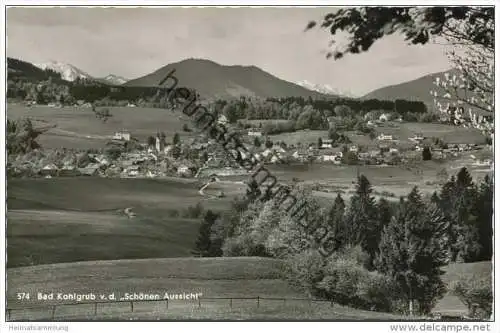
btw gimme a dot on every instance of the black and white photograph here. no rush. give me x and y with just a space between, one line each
272 163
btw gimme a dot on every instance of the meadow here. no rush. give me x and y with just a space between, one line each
448 133
79 128
213 277
304 137
71 219
220 278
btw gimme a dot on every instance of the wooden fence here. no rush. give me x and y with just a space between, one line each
53 307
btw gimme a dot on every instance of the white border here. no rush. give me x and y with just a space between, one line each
196 326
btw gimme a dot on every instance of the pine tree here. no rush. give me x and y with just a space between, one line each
426 154
256 142
384 211
467 244
176 139
484 209
203 246
412 250
336 222
362 224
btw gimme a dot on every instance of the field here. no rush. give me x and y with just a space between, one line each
454 272
304 137
395 179
213 277
70 219
257 122
79 128
448 133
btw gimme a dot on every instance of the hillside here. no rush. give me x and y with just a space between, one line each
63 220
241 277
25 70
416 90
212 80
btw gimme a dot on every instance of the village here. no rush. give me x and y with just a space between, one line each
202 157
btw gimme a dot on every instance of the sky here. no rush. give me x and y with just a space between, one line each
132 42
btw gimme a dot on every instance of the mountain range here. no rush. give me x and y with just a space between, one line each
324 89
417 90
71 73
212 80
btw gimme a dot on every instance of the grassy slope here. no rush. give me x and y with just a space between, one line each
213 277
69 219
74 125
453 273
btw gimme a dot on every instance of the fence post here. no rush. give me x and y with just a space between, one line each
199 302
284 301
53 311
9 313
167 303
95 309
132 306
258 301
230 302
331 304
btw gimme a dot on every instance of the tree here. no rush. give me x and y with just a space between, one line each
362 224
476 294
412 249
22 136
426 154
442 176
350 158
342 111
103 114
336 222
484 212
176 139
269 143
151 141
256 142
176 151
471 28
418 25
320 142
203 246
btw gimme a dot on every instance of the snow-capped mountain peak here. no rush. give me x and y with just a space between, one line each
68 72
115 79
322 88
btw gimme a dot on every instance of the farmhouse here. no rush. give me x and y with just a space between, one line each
223 120
132 171
183 171
383 137
417 137
89 170
125 136
68 171
49 170
131 105
326 143
354 149
384 117
254 132
393 151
